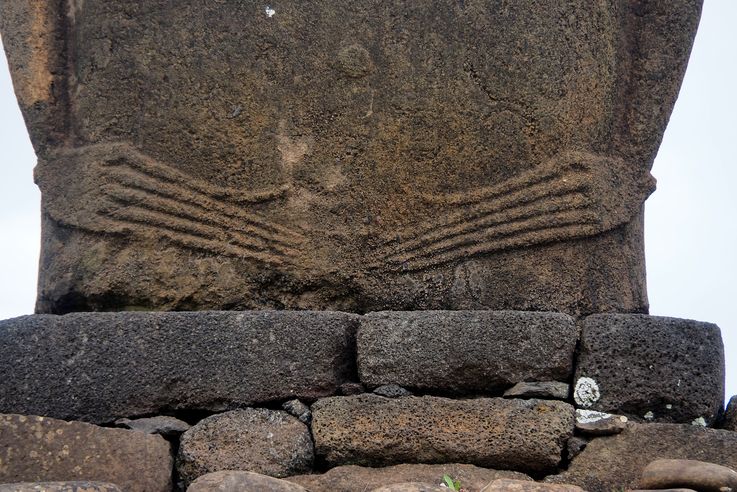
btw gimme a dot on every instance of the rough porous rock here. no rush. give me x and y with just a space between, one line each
78 486
506 485
269 442
411 487
345 155
546 390
729 422
690 474
524 435
241 481
352 478
464 350
40 449
617 462
670 369
98 367
169 427
575 445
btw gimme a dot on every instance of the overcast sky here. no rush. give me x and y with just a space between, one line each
691 226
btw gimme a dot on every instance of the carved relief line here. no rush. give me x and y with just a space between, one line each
573 195
114 188
204 207
194 218
540 199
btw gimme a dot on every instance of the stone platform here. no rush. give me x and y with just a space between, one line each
513 395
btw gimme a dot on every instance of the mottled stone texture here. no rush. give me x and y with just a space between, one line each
101 366
270 442
670 369
617 462
464 350
36 449
523 435
352 478
78 486
335 154
241 481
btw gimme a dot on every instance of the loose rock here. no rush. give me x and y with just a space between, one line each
506 485
464 350
392 391
169 427
98 367
524 435
691 474
599 423
669 369
353 478
618 461
40 449
268 442
79 486
241 481
411 487
298 409
547 390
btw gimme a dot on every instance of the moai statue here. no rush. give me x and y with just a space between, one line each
438 154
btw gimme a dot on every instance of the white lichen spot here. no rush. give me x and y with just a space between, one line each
699 421
586 392
269 11
591 416
669 407
649 416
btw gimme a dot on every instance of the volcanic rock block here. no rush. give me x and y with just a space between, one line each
101 366
241 481
345 155
36 449
505 485
690 474
617 462
411 487
671 370
79 486
464 350
352 478
524 435
269 442
546 390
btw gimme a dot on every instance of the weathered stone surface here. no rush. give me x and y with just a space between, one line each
352 478
729 421
617 462
101 366
524 435
506 485
78 486
599 423
672 368
268 442
298 409
39 449
690 474
345 155
575 445
464 350
241 481
169 427
411 487
547 390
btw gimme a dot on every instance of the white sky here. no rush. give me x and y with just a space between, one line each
691 226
